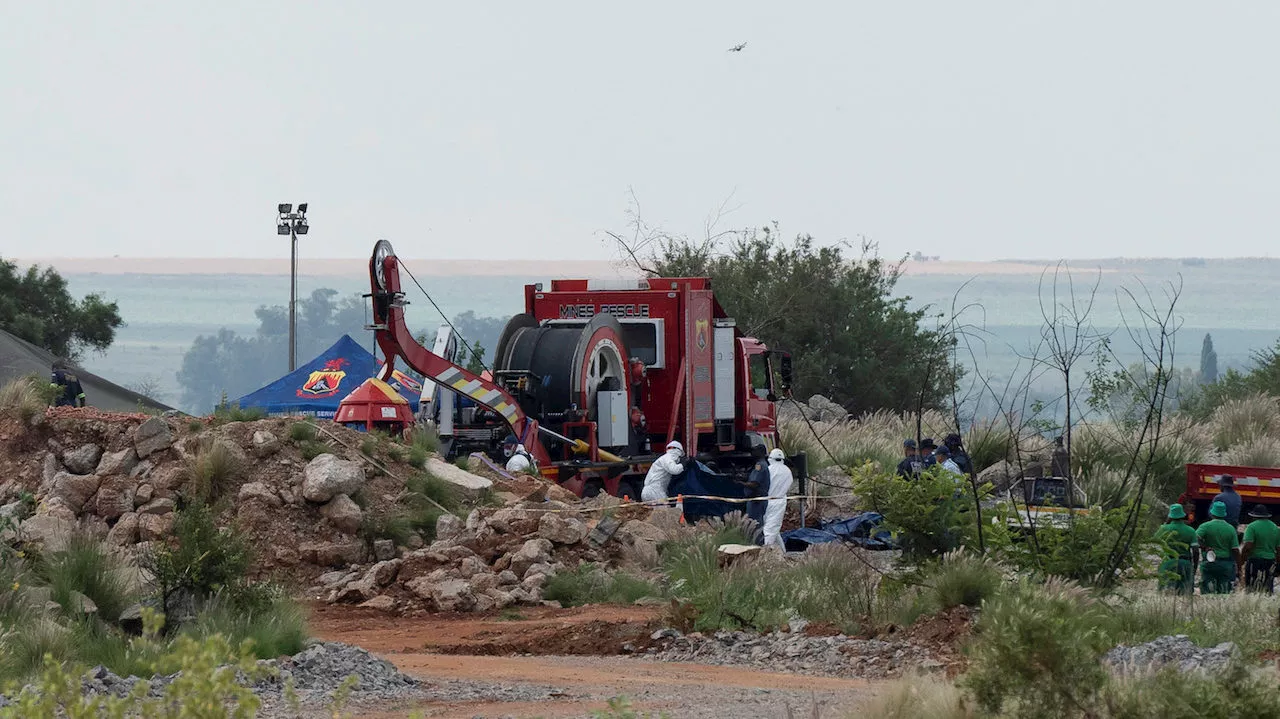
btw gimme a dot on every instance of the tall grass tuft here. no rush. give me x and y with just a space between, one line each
590 584
963 579
214 471
26 396
988 443
277 629
1256 452
87 567
1241 420
302 432
919 698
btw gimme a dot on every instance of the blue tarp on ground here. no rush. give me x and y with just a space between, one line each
862 530
316 388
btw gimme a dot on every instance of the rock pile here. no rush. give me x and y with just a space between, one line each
1176 651
493 560
795 652
119 478
817 409
315 672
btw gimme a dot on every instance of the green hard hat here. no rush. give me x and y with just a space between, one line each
1218 509
1177 512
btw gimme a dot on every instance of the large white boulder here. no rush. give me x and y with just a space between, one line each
468 484
327 476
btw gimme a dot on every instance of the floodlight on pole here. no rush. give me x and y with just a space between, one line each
292 224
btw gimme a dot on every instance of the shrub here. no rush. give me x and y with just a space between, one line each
1241 420
26 646
1036 651
311 449
87 567
425 440
203 559
214 470
590 584
928 515
620 708
302 432
1248 620
1080 550
1237 692
368 446
195 426
964 579
234 413
277 628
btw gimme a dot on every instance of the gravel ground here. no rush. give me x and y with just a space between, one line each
796 653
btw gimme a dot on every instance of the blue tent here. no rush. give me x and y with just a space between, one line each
316 388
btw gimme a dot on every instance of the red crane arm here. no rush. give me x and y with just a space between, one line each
396 340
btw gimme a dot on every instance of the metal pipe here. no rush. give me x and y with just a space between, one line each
579 445
293 299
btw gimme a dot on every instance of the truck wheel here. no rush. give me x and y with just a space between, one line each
593 488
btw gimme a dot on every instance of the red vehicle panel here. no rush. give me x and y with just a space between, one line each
1256 485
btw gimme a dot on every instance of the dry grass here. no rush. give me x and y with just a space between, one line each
917 697
1241 420
25 397
875 437
1256 452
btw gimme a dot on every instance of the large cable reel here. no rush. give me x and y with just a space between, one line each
568 366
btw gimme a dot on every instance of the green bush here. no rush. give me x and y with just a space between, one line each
928 515
87 567
1036 651
234 413
302 432
213 471
1079 550
276 628
203 559
1255 452
368 446
311 449
590 584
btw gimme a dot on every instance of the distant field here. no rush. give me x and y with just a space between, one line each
165 312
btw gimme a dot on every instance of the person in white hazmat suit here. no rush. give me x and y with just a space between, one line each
518 458
779 485
661 471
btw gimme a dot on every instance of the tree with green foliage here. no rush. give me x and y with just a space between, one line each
1208 361
1263 377
851 339
36 306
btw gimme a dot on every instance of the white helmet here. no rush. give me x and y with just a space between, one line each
777 456
675 445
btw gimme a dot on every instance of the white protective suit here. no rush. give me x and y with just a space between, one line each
779 485
519 461
661 472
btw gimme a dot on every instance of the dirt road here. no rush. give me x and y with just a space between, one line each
516 666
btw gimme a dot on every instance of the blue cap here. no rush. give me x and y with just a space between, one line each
909 443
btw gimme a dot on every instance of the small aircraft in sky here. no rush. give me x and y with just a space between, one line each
737 48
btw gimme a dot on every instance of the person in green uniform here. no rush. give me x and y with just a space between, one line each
1221 548
1178 570
1259 551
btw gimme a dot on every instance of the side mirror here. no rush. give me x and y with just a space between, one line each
784 371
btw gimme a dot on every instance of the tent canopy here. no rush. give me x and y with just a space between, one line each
19 357
316 388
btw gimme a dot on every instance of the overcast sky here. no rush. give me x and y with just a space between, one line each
976 130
